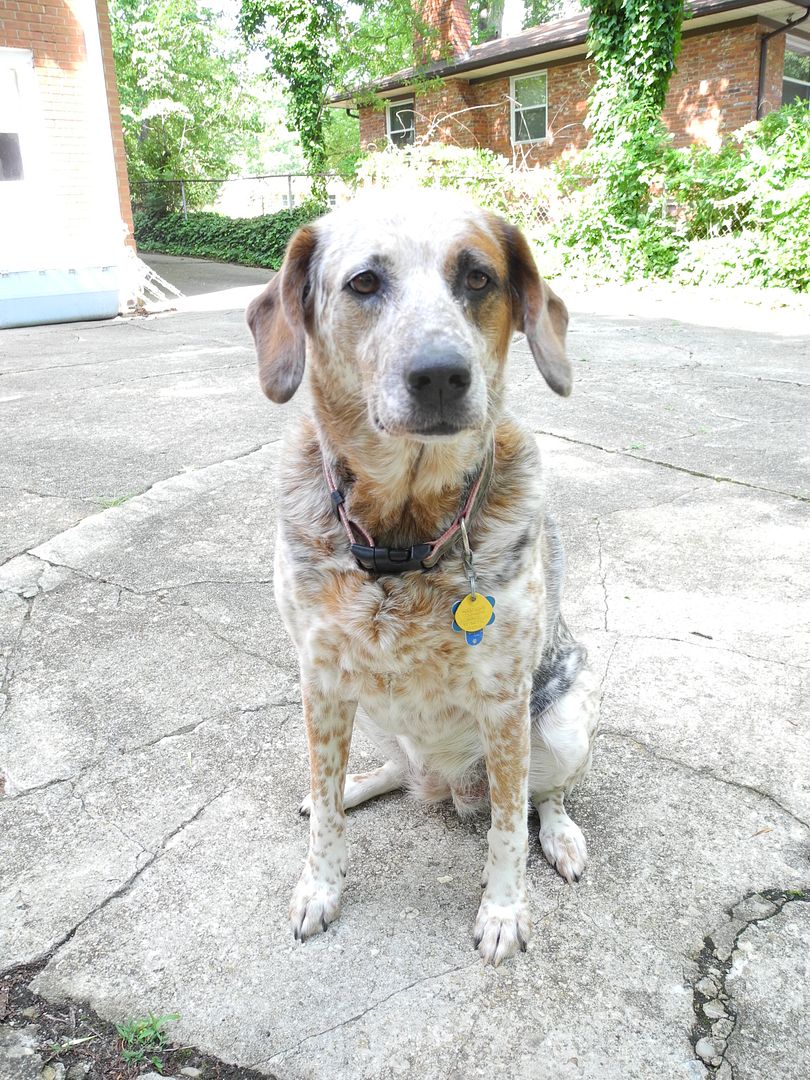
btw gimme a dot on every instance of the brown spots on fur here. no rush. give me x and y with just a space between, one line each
507 751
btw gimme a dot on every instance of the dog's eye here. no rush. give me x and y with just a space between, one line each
365 284
477 280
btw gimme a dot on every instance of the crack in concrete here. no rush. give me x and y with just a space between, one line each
232 644
602 573
676 468
704 772
604 678
9 665
714 648
106 821
158 590
358 1016
127 885
215 369
710 1040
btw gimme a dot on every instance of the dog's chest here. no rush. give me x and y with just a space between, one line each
390 644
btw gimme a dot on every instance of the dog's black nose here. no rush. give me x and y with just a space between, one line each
438 377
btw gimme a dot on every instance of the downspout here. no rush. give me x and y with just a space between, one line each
763 55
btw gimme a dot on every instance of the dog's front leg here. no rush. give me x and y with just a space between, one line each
316 900
503 925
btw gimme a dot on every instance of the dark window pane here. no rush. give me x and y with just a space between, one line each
530 125
794 91
531 90
401 123
402 138
10 160
797 66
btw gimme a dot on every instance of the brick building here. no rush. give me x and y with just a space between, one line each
526 97
65 215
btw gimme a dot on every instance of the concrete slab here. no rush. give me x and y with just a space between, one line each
152 756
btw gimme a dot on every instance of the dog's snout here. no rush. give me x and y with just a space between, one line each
438 377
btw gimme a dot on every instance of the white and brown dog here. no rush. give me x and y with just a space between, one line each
407 489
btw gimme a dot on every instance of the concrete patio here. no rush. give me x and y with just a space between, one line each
152 756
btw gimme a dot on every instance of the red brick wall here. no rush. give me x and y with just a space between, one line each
451 19
372 128
65 92
713 91
114 110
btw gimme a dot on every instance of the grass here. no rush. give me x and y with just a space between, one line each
117 500
145 1039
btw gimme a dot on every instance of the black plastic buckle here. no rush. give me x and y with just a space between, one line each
381 560
337 502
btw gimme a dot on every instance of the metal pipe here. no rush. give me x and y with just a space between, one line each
763 55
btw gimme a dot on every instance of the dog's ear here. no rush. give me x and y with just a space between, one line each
277 320
537 311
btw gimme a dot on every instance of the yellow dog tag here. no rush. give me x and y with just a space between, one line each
472 614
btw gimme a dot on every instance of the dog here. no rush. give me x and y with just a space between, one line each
416 570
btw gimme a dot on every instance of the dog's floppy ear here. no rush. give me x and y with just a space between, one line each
277 320
537 311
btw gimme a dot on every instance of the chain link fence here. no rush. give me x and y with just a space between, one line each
521 194
235 196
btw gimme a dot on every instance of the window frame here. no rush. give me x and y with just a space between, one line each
21 62
396 103
514 108
800 47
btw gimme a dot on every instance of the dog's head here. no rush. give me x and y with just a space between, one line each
408 306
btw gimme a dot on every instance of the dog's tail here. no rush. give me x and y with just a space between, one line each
563 658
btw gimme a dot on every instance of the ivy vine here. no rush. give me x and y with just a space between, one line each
634 44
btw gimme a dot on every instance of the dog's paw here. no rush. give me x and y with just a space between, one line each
564 847
501 930
313 906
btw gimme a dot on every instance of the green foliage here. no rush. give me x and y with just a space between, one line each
315 46
342 143
145 1039
184 106
732 216
746 207
299 39
258 241
615 218
536 12
634 44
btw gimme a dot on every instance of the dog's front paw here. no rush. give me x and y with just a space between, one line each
564 847
313 906
501 930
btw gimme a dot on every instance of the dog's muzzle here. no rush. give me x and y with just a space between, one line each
437 382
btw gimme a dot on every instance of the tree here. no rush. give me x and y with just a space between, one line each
185 110
317 46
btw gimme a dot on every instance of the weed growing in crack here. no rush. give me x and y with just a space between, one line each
145 1039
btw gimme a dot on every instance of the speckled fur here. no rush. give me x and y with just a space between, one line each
513 716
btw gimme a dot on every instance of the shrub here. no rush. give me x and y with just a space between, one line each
746 207
527 197
258 241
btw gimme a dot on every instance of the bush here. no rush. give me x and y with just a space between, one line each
258 241
736 215
746 207
614 221
526 197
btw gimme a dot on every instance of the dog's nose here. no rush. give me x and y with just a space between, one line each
438 377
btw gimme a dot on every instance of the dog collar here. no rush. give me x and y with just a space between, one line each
385 560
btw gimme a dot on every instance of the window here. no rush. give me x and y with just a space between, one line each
11 120
400 122
529 94
796 83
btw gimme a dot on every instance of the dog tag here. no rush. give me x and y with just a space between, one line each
471 615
